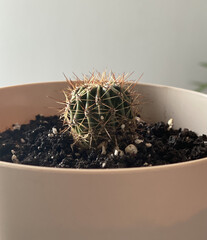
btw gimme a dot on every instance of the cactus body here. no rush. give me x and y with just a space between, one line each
96 108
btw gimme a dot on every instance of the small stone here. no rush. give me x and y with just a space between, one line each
12 151
148 145
116 152
170 123
138 141
50 135
131 149
16 126
103 164
138 119
14 159
22 140
122 126
54 130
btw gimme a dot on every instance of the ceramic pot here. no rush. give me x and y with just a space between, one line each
154 203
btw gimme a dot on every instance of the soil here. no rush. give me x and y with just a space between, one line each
43 142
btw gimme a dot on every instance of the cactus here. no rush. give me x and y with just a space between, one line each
97 106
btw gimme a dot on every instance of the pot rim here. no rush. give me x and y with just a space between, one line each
192 163
143 84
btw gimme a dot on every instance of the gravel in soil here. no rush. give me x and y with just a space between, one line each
43 142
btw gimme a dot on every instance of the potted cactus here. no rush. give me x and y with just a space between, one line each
153 202
100 128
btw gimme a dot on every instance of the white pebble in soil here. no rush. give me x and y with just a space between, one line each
12 151
54 131
22 140
118 152
103 164
14 159
131 149
138 119
50 135
170 123
138 141
122 126
16 126
148 145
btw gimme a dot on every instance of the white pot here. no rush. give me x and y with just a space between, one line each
162 202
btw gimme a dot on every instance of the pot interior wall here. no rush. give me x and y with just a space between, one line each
187 108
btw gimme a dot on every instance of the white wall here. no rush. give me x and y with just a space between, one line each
165 39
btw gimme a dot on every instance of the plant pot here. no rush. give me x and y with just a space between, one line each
155 203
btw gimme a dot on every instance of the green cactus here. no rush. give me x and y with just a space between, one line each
97 106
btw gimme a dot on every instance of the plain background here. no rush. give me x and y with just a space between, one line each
164 39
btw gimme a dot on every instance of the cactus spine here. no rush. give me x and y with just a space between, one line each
97 106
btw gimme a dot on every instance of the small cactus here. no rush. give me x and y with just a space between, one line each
97 106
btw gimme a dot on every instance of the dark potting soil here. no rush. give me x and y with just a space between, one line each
44 143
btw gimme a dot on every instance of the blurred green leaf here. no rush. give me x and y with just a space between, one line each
203 64
201 86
